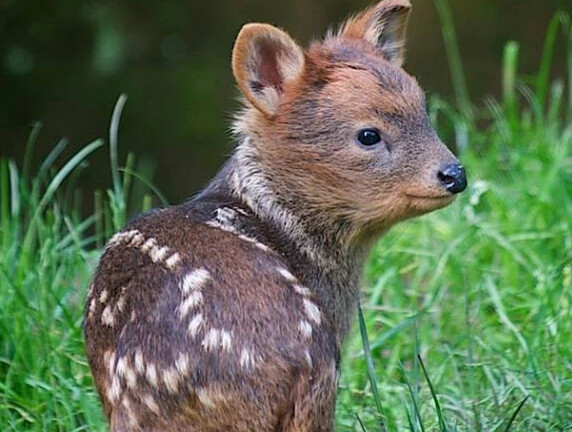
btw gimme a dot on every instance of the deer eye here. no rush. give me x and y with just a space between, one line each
369 137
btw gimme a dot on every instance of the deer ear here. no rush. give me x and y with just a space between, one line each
264 58
384 26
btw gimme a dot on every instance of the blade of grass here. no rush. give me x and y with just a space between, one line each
98 213
495 297
129 164
370 367
415 400
147 183
5 203
509 72
47 164
560 19
14 190
395 330
569 69
515 413
416 382
147 203
360 423
119 214
30 146
442 424
412 428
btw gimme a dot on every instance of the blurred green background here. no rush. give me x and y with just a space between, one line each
65 63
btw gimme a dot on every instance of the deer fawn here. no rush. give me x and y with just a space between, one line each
227 312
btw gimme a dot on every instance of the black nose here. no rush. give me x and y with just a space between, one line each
453 178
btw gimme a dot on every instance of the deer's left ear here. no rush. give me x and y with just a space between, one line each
264 59
384 26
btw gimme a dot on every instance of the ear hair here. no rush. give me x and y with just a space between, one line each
384 26
264 59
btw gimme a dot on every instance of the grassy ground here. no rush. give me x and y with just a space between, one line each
478 295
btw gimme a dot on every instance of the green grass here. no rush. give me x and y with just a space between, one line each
467 313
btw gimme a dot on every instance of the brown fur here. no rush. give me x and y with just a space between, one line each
228 312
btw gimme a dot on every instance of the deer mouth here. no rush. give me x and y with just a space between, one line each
425 203
447 197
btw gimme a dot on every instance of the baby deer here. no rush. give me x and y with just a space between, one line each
227 312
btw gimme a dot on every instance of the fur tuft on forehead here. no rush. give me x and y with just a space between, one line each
355 68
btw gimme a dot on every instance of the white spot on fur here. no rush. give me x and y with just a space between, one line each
241 211
312 311
121 304
195 280
302 290
247 358
216 338
107 317
139 362
103 296
195 325
204 397
225 340
130 376
149 401
173 261
121 365
156 252
149 244
255 242
171 379
224 220
151 374
114 391
191 302
182 364
286 274
225 215
92 307
122 237
211 340
159 253
309 361
109 358
305 328
218 225
137 240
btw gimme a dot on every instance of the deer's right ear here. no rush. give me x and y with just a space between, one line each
264 58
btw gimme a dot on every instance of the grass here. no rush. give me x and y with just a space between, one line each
466 316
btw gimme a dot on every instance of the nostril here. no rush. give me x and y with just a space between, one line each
453 178
446 179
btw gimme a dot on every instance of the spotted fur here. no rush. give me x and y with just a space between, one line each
227 312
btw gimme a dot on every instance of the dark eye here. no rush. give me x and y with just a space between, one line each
369 137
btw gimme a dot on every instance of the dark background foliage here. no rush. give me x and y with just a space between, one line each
65 63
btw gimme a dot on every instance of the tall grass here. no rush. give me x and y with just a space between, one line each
466 316
47 254
44 264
